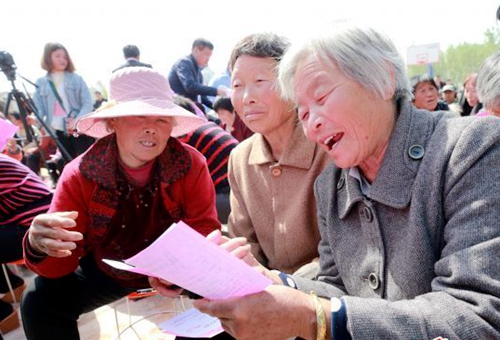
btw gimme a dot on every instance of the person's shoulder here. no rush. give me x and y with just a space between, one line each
468 136
324 179
243 149
10 162
480 124
183 60
196 156
74 77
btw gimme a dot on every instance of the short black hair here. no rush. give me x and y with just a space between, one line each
202 43
223 103
131 51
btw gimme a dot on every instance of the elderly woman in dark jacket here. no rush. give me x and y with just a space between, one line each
408 211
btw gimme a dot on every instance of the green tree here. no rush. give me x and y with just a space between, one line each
458 61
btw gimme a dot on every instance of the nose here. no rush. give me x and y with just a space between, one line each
315 120
313 124
248 95
149 128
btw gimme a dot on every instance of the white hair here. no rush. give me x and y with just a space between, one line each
363 54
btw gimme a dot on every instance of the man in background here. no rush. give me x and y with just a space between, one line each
132 56
186 79
449 94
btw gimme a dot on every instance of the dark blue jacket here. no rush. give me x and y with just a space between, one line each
186 79
132 63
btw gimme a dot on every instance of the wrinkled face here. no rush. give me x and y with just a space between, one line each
255 96
426 96
350 123
141 139
202 56
59 60
470 93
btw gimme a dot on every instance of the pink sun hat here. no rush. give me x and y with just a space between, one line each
137 91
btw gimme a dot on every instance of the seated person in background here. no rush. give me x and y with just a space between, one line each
216 145
426 94
99 99
230 121
272 173
33 154
449 96
23 195
488 85
112 202
408 211
11 148
471 104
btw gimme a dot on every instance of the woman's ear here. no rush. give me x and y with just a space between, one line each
110 122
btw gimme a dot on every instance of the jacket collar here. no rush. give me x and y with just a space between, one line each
299 152
99 163
393 184
195 63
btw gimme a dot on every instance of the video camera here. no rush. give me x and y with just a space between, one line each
7 65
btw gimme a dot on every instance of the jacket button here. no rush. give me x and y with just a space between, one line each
416 152
276 170
340 183
373 281
367 214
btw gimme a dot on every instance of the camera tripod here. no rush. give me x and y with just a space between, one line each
25 108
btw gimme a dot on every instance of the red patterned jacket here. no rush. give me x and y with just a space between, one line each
88 185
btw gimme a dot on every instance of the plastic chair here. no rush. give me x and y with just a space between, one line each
7 279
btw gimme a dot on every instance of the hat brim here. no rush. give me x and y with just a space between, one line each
94 123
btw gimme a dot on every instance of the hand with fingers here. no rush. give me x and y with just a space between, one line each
276 313
240 248
165 288
51 234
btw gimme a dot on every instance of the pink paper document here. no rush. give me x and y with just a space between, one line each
186 258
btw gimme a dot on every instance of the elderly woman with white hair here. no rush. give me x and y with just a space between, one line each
113 201
488 85
409 230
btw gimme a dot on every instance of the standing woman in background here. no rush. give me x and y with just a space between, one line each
61 96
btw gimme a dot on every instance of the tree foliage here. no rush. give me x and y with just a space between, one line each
458 61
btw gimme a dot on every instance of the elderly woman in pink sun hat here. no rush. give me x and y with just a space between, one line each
113 201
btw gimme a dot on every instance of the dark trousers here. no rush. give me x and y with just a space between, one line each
222 205
75 146
11 239
51 307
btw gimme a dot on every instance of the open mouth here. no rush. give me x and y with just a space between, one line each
148 144
332 140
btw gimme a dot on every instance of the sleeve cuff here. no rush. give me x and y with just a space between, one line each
31 255
339 320
286 279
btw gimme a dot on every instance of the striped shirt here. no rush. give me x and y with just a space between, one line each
23 195
216 145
